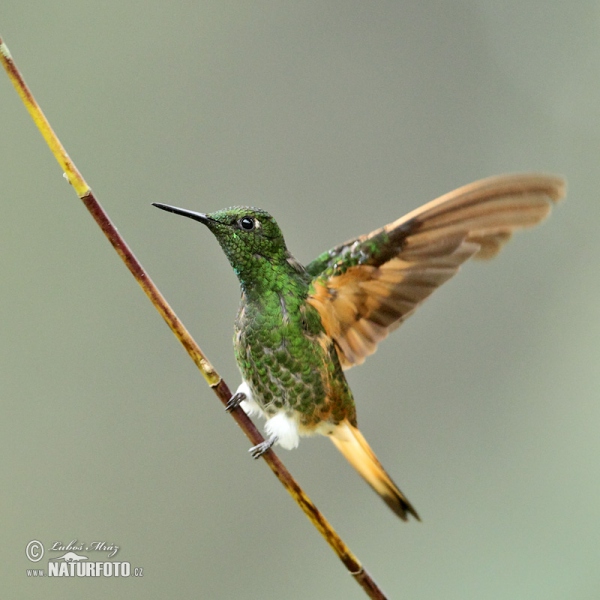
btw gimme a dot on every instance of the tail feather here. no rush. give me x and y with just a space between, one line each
351 443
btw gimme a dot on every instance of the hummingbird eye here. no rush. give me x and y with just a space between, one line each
247 223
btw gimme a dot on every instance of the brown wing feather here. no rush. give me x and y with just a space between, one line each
361 304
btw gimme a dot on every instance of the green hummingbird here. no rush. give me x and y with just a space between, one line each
299 327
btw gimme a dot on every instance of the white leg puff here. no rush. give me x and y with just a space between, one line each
249 405
286 430
284 427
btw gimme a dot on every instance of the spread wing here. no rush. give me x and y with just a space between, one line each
366 287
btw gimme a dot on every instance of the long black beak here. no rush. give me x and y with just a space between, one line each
182 211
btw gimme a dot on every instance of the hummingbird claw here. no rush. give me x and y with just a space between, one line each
258 450
235 401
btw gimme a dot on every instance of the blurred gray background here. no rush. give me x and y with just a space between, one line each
337 117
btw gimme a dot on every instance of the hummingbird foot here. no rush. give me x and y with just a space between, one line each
243 397
235 401
258 450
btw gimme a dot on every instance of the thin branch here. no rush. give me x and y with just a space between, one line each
208 371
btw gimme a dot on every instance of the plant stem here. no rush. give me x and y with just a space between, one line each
208 371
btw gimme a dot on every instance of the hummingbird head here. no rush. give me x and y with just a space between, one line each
250 238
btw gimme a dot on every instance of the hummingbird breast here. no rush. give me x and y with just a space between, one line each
289 362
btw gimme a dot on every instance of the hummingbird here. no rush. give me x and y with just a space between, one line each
299 327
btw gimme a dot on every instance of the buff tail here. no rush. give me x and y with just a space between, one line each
351 443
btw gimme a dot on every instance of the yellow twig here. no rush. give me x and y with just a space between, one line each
210 374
